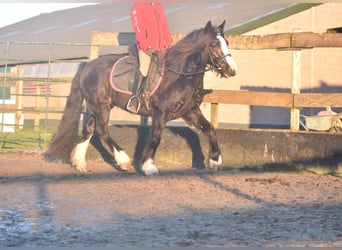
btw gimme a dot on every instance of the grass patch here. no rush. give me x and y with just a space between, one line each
26 139
31 137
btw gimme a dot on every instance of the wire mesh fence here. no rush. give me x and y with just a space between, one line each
33 90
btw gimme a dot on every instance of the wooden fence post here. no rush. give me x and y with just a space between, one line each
214 114
295 87
94 46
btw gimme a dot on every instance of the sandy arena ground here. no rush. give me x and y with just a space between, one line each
49 204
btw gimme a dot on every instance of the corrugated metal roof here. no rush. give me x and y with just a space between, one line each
75 25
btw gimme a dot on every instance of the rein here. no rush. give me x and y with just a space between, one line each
181 73
189 74
215 65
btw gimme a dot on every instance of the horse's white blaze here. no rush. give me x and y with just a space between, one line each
215 164
78 155
149 168
121 156
226 52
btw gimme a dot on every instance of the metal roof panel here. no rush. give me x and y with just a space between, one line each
75 25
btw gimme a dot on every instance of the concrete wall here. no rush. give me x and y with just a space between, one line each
258 149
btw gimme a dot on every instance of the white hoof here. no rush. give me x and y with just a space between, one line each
78 163
149 168
80 167
122 159
78 156
215 164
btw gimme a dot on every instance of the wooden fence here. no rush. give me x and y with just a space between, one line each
291 41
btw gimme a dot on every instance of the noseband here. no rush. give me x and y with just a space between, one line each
215 62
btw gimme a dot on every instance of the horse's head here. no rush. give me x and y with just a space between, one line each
220 57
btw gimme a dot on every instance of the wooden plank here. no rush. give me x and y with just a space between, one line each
285 40
240 42
94 52
177 36
311 40
104 38
274 99
315 100
274 41
120 38
214 114
271 99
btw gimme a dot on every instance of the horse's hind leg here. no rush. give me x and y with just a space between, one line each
197 121
102 130
78 154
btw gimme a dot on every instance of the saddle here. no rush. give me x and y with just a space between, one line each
125 71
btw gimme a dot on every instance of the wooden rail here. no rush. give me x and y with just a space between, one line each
273 41
273 99
294 40
269 99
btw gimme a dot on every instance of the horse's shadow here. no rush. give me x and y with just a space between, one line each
192 139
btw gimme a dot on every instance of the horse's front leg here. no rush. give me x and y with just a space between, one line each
148 167
198 122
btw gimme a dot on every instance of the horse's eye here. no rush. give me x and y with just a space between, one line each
216 42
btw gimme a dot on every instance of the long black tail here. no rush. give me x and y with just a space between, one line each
66 136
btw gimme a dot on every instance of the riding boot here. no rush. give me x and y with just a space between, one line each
133 104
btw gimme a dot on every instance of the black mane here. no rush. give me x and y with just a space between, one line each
196 42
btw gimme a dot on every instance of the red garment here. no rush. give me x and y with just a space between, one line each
150 26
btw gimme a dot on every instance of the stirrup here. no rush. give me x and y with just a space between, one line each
133 104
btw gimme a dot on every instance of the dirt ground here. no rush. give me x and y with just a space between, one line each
48 204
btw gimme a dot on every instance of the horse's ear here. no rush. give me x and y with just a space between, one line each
208 27
221 27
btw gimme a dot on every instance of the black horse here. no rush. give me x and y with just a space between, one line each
179 96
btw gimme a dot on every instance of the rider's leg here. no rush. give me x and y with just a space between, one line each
144 63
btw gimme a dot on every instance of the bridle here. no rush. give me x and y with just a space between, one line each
216 62
214 65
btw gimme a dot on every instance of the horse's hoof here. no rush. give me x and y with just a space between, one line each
215 165
123 160
149 168
126 166
82 168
